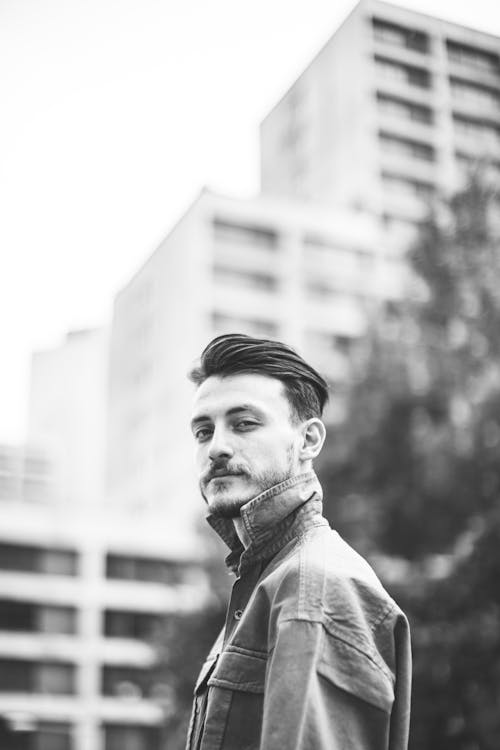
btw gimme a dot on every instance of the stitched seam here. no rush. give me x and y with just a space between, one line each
242 686
269 549
317 650
246 652
391 607
226 723
341 638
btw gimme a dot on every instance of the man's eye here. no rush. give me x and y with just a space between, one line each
245 424
202 434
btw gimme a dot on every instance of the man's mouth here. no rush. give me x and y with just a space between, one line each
221 474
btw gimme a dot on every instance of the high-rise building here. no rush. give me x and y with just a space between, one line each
67 412
396 106
82 595
83 587
263 266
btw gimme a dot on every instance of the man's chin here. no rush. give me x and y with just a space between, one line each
226 507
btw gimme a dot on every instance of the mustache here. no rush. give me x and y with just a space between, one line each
220 468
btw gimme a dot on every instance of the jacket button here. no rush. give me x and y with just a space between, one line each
238 614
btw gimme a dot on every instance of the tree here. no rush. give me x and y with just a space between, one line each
422 417
414 469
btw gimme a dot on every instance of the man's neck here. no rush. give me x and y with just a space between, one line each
238 522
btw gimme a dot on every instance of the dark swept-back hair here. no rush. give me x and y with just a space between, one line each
238 354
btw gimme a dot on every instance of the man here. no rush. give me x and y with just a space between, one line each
314 654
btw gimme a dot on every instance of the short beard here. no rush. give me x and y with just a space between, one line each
231 507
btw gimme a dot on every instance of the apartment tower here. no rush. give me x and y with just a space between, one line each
396 106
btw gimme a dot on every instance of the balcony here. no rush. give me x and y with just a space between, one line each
475 100
473 63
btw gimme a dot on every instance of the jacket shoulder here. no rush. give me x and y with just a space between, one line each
327 581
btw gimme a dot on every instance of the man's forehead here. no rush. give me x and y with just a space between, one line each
244 390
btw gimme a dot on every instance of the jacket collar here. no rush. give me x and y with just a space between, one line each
271 519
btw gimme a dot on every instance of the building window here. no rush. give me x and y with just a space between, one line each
401 223
407 147
320 242
392 70
131 737
473 57
223 323
323 291
46 678
401 36
36 489
126 681
405 109
53 736
325 341
247 279
407 185
34 735
30 559
55 679
9 488
19 616
36 465
52 619
484 131
319 289
244 234
152 570
474 95
123 624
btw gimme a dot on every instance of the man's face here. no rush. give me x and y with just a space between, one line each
246 439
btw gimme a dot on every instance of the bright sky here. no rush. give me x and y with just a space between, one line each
114 114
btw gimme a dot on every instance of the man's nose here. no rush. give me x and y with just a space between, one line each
220 444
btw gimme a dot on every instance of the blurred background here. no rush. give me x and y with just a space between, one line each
353 157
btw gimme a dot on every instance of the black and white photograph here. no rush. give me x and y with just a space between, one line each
250 375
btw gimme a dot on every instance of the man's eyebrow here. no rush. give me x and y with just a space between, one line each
199 420
243 407
230 412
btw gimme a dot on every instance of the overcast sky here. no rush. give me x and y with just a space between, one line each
114 114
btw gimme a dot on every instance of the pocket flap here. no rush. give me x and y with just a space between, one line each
206 671
240 670
356 673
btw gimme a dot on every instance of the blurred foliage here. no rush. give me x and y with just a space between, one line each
416 454
456 648
413 472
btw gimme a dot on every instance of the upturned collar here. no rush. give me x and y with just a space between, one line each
271 519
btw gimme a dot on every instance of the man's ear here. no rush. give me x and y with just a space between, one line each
313 437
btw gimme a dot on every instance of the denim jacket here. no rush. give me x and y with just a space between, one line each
314 655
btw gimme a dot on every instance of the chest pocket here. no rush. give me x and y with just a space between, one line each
240 670
237 698
209 665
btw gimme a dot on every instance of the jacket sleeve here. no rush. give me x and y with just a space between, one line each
322 693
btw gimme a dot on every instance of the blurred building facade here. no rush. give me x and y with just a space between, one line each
27 475
67 412
84 589
82 597
395 107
